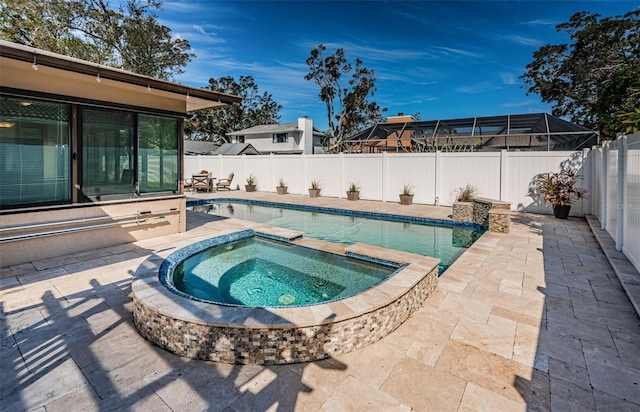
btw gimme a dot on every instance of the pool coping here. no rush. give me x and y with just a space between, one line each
337 211
151 291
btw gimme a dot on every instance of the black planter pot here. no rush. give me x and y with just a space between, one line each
561 212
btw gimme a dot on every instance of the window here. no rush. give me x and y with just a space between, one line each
157 154
107 153
121 154
239 139
280 138
34 152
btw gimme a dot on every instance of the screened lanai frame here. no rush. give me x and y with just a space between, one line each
516 132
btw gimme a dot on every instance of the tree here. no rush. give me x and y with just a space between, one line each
215 124
630 117
129 38
348 107
590 80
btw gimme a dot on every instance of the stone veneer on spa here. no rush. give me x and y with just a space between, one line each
237 334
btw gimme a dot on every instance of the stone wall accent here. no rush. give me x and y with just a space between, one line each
481 209
499 220
463 212
280 345
492 214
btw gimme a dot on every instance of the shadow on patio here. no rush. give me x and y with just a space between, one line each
589 333
69 343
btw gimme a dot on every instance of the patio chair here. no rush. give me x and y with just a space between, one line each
188 185
225 183
201 182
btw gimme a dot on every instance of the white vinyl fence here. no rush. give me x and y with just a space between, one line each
617 187
507 176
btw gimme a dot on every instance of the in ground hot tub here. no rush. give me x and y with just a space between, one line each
237 299
260 272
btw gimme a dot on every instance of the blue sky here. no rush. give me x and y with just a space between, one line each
442 59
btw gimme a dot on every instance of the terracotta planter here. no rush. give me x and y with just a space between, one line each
250 188
406 199
282 190
561 212
314 192
353 195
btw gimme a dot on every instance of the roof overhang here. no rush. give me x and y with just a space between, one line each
40 71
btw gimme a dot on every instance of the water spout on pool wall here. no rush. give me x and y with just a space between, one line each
294 333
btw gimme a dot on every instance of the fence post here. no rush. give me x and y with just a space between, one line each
504 176
587 174
342 192
621 194
436 175
594 178
273 172
244 166
385 175
603 191
306 171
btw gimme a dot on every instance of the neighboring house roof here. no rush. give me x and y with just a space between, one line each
197 147
273 128
534 131
235 149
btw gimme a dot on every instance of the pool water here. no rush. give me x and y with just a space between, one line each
445 242
258 272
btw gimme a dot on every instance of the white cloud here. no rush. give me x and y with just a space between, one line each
526 41
202 31
539 22
476 88
458 52
524 103
509 78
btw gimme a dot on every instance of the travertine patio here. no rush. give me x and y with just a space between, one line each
531 320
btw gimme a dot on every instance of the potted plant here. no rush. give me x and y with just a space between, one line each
559 189
251 184
465 193
353 191
406 197
282 187
314 190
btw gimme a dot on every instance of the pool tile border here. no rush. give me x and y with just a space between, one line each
330 210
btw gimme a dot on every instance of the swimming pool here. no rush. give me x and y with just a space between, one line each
440 239
254 271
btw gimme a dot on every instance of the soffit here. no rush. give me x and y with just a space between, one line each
62 75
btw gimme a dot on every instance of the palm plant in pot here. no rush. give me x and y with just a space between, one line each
353 191
251 184
406 197
314 190
559 189
282 187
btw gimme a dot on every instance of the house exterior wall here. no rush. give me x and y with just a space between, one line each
264 143
301 140
89 228
85 161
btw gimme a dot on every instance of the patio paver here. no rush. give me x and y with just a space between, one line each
532 320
